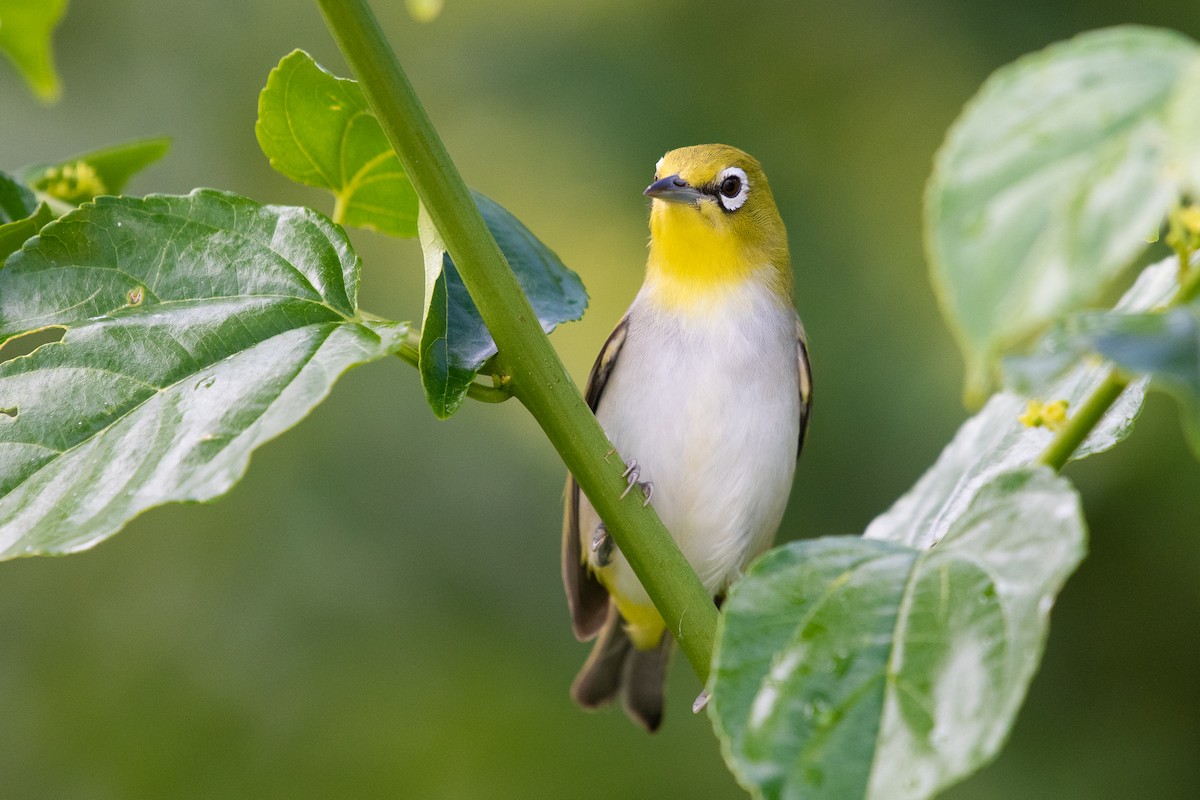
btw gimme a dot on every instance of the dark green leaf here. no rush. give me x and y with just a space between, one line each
25 30
318 129
16 200
21 216
1049 184
454 341
850 668
196 329
106 171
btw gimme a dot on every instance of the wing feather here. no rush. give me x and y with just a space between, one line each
586 597
805 382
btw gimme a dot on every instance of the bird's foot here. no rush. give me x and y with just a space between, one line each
700 703
631 476
602 546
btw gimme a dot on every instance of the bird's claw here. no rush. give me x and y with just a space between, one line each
631 476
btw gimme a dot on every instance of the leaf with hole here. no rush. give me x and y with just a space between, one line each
196 329
318 129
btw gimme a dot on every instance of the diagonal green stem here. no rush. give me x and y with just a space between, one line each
538 378
1073 434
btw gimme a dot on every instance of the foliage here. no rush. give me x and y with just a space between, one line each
25 28
196 328
1050 182
172 335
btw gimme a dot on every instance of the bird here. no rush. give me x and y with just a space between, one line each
705 390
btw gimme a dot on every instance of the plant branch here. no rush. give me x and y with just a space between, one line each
538 377
1080 424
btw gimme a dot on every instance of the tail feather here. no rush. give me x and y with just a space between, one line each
615 667
644 679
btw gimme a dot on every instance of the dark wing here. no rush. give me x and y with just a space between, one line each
805 382
586 597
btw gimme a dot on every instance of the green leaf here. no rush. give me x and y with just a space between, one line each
25 29
1048 185
1183 125
851 668
994 441
1164 346
196 329
21 215
887 667
106 171
455 343
318 129
16 200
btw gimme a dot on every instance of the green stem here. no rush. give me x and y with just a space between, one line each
538 378
1080 424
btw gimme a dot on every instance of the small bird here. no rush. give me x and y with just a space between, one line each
704 388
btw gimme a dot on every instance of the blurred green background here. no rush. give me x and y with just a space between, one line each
375 611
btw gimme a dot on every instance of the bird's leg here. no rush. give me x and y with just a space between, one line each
631 476
602 546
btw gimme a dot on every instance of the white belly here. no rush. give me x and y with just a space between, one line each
709 407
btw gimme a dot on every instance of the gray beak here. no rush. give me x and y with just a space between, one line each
673 189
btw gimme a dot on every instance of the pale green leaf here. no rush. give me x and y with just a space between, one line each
850 668
1049 184
319 130
1183 125
196 329
25 37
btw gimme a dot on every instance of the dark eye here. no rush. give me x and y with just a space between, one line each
731 186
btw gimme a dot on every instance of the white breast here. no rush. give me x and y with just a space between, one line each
709 406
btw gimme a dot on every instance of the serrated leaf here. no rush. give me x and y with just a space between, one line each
105 171
1049 183
455 343
25 37
851 668
21 216
196 329
319 130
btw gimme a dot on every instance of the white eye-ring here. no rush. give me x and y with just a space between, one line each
732 188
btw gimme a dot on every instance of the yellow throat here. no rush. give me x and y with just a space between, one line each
713 227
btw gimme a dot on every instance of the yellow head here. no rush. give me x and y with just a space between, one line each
714 225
